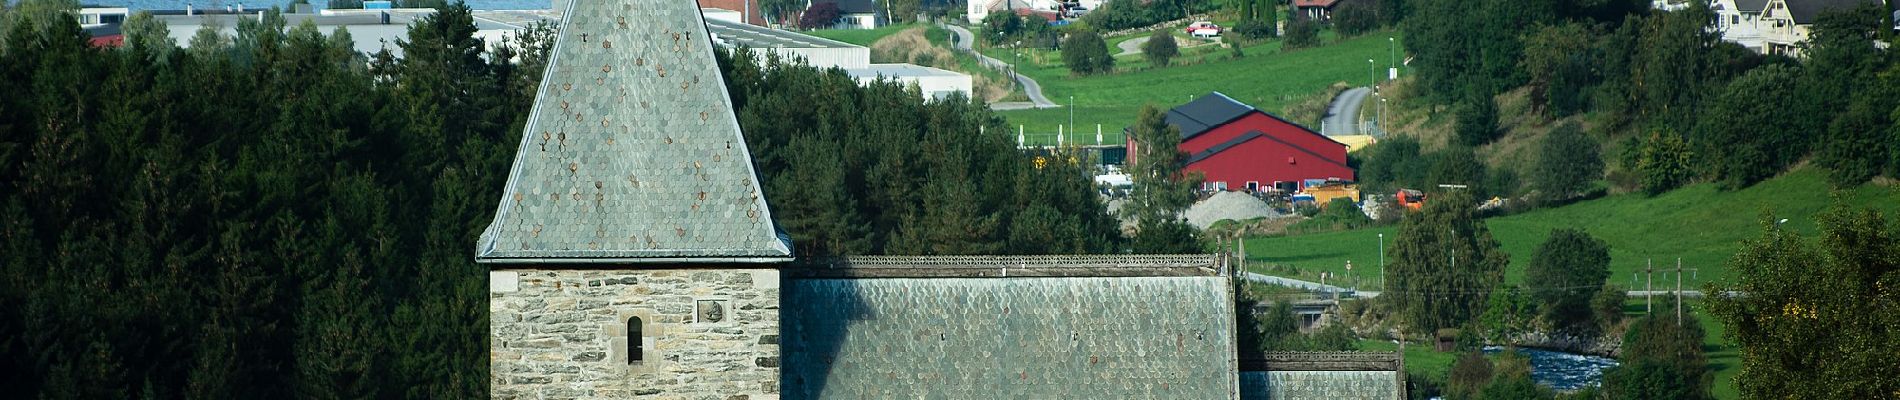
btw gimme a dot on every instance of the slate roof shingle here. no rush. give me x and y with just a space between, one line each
632 152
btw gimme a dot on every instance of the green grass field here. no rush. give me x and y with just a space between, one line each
861 37
1700 224
1266 78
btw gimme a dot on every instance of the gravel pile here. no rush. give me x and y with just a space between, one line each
1228 205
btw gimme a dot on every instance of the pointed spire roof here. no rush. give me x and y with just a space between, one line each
632 152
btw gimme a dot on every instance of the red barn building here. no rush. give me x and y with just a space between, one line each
1236 146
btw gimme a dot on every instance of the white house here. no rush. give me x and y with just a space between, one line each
977 9
854 14
1785 24
1739 21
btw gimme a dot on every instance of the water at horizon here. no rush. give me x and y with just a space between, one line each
136 5
1563 371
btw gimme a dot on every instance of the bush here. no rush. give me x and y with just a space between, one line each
1662 360
1086 53
1662 162
1337 215
1354 18
1160 48
1477 118
1469 374
1301 33
1607 304
1567 161
1254 29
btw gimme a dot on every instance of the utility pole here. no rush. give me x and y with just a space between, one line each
1649 280
1678 291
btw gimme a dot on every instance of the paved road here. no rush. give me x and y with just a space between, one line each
965 39
1342 118
1304 285
1132 46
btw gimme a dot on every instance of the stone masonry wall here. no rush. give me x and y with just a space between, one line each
707 334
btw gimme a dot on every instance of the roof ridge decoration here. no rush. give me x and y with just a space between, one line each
632 152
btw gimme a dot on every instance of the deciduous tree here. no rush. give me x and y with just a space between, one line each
1444 265
1566 271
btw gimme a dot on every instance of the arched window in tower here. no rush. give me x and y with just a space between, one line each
635 341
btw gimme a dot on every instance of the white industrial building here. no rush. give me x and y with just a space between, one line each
855 60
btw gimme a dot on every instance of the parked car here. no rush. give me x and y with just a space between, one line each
1203 29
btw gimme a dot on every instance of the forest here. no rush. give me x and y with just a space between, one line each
1665 100
271 214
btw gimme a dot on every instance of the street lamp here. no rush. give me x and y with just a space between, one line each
1072 114
1381 261
1393 43
1381 117
1374 69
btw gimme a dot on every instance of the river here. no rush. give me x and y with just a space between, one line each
1563 371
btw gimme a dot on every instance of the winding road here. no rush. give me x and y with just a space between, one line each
1030 87
1342 117
1132 46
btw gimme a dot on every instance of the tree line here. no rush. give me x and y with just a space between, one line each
272 214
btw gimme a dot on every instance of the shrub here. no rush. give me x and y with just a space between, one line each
1661 360
1254 29
1354 18
1337 215
1477 118
1301 33
1663 162
1160 48
1086 53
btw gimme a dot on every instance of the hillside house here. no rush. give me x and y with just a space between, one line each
1236 146
1739 21
1317 10
854 14
1786 24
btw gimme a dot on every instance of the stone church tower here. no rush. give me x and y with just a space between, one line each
632 253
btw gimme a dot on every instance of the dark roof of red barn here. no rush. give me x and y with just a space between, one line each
1216 109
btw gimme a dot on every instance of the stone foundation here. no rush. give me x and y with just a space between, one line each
705 333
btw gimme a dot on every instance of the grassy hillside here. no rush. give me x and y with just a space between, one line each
1700 224
861 37
1266 78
